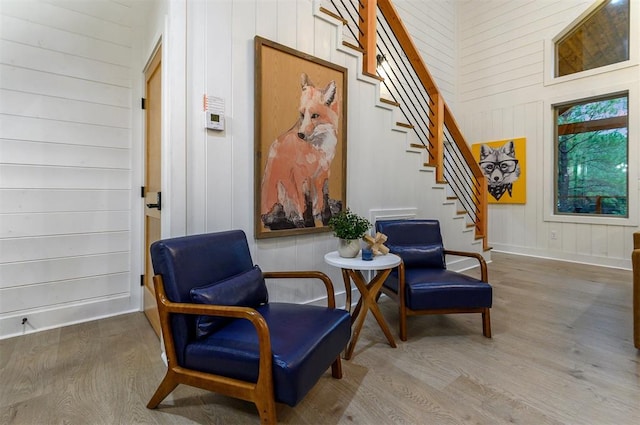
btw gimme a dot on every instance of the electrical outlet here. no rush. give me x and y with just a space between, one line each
554 235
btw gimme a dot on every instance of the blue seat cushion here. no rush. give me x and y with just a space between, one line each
434 289
247 289
305 340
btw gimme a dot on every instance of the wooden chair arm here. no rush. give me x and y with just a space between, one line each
306 274
165 307
483 264
213 310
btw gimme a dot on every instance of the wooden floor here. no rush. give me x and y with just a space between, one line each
561 353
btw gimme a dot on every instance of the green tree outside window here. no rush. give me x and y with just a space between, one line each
591 154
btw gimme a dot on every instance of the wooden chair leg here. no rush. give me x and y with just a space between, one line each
403 324
267 410
486 323
168 384
336 368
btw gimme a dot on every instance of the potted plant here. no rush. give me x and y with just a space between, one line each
349 227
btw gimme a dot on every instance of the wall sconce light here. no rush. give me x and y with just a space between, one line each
380 59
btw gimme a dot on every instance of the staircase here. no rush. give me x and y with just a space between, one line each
374 28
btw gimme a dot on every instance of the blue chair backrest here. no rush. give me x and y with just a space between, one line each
418 242
193 261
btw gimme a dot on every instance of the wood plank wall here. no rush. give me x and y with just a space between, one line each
432 27
65 161
70 158
220 164
505 58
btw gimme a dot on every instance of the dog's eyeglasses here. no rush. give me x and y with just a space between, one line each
506 166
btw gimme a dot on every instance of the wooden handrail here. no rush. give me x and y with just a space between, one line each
444 140
404 39
635 264
481 205
442 112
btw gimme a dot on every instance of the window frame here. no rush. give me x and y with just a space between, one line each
633 157
556 142
599 6
549 77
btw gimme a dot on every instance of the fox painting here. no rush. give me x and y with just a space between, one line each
295 184
500 167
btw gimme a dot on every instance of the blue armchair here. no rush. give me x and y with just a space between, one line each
422 284
221 333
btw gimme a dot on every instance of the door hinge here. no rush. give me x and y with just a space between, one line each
142 191
143 103
141 280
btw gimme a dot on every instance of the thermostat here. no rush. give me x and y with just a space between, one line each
214 112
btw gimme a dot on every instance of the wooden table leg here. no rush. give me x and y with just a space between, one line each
347 290
374 288
357 322
368 294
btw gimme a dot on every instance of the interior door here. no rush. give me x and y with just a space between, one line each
152 181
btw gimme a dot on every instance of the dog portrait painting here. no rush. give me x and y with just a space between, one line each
503 165
300 147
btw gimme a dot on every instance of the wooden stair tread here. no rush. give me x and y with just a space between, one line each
389 102
353 46
333 15
375 76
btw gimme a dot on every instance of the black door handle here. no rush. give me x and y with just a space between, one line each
158 203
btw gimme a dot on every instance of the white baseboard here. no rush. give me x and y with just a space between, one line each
68 314
617 263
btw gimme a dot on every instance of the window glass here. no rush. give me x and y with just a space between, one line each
602 38
591 157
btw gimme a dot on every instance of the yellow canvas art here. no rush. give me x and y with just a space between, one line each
503 163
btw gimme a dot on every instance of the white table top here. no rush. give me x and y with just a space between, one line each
379 262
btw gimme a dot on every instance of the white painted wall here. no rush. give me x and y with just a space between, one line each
70 155
432 26
220 177
71 144
65 162
504 54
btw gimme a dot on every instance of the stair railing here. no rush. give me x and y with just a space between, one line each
389 52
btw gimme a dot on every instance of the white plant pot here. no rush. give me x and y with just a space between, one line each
348 248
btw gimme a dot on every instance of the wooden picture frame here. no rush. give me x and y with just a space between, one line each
300 141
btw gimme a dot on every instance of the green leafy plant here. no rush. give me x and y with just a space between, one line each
348 225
